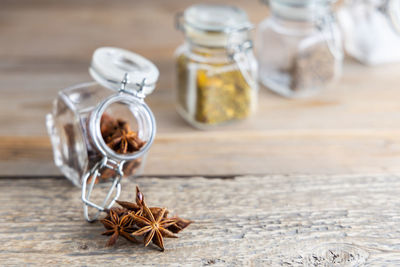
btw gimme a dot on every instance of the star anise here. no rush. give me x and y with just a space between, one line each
118 225
108 125
179 224
137 219
118 135
153 228
119 211
137 207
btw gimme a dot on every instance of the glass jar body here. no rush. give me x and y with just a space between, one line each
213 87
75 151
297 58
370 36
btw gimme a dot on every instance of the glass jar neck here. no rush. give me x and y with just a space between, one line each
206 51
216 55
207 54
215 39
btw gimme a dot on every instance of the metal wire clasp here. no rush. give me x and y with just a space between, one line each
326 21
94 174
391 10
140 87
239 54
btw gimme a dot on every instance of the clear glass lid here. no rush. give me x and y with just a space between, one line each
216 18
110 64
300 3
214 25
300 9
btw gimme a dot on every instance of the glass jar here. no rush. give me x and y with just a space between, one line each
299 47
101 130
216 68
371 30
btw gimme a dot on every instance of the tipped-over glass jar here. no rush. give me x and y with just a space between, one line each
216 68
371 30
299 47
101 130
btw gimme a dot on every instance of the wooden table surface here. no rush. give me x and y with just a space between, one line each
313 181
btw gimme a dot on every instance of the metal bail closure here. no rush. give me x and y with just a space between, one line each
134 100
326 21
392 8
238 52
92 177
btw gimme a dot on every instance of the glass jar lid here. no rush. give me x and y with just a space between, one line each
110 64
215 18
300 9
300 3
214 25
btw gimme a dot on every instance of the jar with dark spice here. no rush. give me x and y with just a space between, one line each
102 130
299 47
216 68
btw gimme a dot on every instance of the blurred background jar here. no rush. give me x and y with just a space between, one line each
299 47
371 30
216 67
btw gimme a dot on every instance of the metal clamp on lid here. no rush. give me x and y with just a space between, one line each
111 159
237 52
143 115
91 178
393 10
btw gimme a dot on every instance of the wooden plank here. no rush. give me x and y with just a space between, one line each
299 152
78 27
346 220
365 98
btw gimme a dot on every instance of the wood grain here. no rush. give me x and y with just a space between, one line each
346 220
352 127
296 152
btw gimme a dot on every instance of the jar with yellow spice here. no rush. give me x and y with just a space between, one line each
216 67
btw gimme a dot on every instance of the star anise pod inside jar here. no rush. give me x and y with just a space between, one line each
119 136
